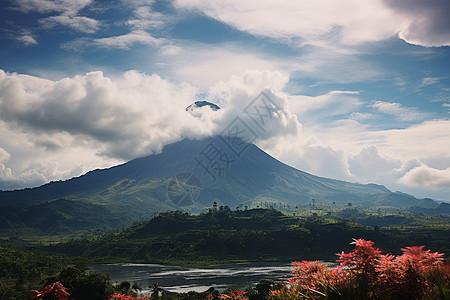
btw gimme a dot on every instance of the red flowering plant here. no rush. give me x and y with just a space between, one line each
409 273
309 277
365 273
54 291
234 295
119 296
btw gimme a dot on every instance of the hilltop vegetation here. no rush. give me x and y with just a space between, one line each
257 234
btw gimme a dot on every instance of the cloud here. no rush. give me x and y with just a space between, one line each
427 139
346 22
26 38
205 65
370 166
425 176
331 104
127 40
119 114
429 81
124 42
138 2
361 116
426 23
46 6
4 155
95 120
82 24
146 19
68 13
400 112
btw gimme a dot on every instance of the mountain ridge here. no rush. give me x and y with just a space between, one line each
185 176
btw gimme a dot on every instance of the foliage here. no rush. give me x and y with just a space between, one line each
257 234
234 295
366 273
119 296
25 271
54 291
219 235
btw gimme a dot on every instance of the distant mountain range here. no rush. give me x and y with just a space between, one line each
189 175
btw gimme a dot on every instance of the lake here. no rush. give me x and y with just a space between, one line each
184 279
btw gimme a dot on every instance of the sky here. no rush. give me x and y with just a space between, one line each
363 86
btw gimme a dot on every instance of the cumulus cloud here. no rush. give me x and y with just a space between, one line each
370 166
425 176
4 155
400 112
347 22
117 118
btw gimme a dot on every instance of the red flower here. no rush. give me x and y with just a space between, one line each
119 296
308 274
54 291
235 295
362 260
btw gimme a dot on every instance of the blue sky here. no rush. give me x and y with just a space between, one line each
364 85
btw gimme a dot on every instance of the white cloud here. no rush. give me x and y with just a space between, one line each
429 81
205 65
127 40
95 120
370 166
425 23
120 114
46 6
124 42
346 22
4 155
361 116
425 176
138 2
400 112
68 13
146 18
26 38
332 104
82 24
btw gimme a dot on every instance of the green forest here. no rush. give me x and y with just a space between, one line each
220 235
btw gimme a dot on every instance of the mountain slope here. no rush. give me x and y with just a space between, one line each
192 174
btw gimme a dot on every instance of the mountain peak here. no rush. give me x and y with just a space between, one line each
192 174
199 104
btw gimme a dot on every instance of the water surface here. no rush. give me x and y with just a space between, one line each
184 279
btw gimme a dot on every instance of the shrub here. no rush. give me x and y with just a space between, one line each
54 291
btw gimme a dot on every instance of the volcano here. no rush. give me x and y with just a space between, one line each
192 175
